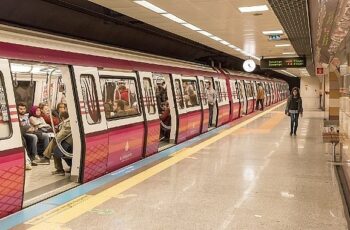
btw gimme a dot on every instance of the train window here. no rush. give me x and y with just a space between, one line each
218 90
5 123
148 96
88 88
190 93
120 97
223 90
233 89
203 90
178 94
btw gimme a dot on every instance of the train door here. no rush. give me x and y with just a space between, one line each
249 95
166 107
125 121
92 112
255 92
192 104
223 102
12 153
272 93
47 109
179 101
212 101
205 106
235 100
152 121
268 95
244 107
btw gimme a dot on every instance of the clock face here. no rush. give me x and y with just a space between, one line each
249 65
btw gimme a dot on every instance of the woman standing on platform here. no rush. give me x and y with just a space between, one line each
293 109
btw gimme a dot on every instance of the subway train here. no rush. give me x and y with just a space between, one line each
123 106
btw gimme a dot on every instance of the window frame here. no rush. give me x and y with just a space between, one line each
2 81
182 98
96 95
103 77
152 96
183 80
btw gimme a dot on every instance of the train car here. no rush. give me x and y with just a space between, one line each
122 105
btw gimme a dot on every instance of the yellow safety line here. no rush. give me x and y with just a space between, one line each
58 218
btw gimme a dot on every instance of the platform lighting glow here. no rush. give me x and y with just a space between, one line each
150 6
205 33
232 46
225 43
250 9
216 38
282 45
174 18
288 53
192 27
273 32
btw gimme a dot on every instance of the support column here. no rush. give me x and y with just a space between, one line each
334 94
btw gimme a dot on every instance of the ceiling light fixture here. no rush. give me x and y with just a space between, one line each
150 6
225 43
174 18
288 53
192 27
273 32
216 38
205 33
282 45
250 9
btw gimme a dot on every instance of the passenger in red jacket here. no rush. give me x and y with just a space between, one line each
165 121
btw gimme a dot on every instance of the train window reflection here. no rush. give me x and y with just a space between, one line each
149 100
5 126
120 97
203 90
190 92
91 104
178 94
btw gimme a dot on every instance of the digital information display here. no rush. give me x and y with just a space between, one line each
280 63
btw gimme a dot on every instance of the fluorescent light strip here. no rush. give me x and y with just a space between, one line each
192 27
150 6
174 18
282 45
225 43
273 32
250 9
289 53
216 38
205 33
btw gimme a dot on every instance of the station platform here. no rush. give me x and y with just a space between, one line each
252 175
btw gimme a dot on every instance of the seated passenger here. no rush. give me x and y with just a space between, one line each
122 94
119 108
31 134
64 131
45 113
37 120
165 119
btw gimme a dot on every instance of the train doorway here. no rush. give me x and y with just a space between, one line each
47 115
166 110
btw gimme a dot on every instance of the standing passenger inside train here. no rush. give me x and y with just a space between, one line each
165 121
293 109
64 131
260 97
65 138
211 100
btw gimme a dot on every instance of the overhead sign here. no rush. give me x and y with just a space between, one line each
280 63
274 37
